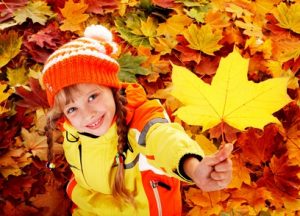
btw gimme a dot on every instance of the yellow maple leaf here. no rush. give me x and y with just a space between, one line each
288 17
74 15
148 27
230 98
174 25
203 39
10 45
17 76
163 45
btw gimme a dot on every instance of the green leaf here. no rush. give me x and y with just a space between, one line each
130 66
37 11
129 28
10 45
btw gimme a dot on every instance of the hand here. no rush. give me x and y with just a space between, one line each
213 172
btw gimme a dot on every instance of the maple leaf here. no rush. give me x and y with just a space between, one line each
203 39
38 12
217 19
288 17
129 28
208 105
4 96
130 66
240 173
35 97
17 76
281 176
8 7
10 45
293 142
35 143
251 195
74 15
52 202
102 6
163 45
259 148
174 25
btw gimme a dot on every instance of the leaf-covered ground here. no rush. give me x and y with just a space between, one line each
153 37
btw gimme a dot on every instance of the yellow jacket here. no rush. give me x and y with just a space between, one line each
152 167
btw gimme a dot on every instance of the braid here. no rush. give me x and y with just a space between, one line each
119 189
49 135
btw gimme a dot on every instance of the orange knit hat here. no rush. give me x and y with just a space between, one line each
84 60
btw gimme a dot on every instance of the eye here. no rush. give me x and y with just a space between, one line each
92 97
71 110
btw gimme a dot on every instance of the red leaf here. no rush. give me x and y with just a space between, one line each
102 6
32 99
280 176
164 3
258 147
8 7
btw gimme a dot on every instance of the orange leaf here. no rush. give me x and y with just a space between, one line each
74 15
293 143
241 173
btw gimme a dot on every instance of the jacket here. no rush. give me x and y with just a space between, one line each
152 166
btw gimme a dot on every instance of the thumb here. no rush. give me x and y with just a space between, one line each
221 155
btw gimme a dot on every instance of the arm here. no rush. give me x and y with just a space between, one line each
212 172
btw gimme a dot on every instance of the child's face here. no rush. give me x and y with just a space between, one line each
92 109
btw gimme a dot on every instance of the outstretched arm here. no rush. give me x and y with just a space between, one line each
213 172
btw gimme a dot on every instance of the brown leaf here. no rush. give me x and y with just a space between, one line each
53 201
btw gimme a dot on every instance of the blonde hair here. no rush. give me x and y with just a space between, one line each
119 190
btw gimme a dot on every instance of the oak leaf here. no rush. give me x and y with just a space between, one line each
74 14
208 105
203 39
38 12
288 17
10 44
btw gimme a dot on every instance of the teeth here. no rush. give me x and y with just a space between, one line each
94 124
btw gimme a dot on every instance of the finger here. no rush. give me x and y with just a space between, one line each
224 166
221 155
220 175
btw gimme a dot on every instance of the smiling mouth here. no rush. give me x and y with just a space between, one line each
96 124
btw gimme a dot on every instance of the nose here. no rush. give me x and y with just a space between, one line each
89 113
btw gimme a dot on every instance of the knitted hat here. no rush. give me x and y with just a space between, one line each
84 60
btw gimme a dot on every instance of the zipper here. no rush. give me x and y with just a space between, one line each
80 158
154 185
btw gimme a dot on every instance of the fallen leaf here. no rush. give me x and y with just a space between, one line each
208 105
10 44
38 12
74 14
288 17
35 143
203 39
174 25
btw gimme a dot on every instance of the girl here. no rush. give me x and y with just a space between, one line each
125 155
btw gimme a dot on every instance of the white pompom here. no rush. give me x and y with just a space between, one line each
98 32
